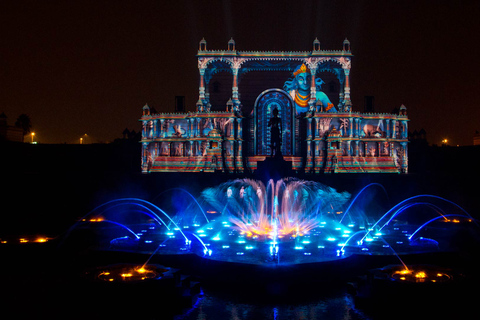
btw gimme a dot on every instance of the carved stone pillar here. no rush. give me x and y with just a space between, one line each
201 87
235 99
347 84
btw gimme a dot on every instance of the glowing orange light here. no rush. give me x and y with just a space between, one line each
421 275
141 270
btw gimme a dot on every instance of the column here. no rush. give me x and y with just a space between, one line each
394 124
144 129
235 99
309 161
239 151
229 127
198 127
162 131
155 128
347 84
239 128
405 157
201 87
144 157
313 88
309 128
190 152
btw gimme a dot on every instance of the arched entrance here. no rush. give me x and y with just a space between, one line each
266 102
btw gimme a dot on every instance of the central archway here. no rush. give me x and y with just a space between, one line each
266 102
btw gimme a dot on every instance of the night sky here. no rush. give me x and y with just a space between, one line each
88 67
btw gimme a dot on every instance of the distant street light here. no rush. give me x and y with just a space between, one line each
444 142
33 135
81 140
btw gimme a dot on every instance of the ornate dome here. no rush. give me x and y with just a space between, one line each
214 133
334 133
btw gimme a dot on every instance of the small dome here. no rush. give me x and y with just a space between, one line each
214 133
316 45
203 45
346 45
146 110
334 133
231 45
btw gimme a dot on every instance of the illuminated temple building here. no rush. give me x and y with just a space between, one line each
238 90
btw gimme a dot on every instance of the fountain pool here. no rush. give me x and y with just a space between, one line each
284 222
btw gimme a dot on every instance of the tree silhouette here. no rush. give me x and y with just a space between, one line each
24 122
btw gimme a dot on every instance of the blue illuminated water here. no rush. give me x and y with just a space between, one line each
284 222
215 306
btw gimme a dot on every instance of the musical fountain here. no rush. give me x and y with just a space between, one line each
285 222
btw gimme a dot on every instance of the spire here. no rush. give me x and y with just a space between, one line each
203 45
231 45
346 45
316 44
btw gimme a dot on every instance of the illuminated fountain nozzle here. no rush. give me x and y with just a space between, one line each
129 273
421 273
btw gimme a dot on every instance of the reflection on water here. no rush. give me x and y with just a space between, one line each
216 306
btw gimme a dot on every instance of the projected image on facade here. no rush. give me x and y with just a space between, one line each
301 92
320 131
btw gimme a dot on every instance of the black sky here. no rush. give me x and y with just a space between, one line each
89 66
